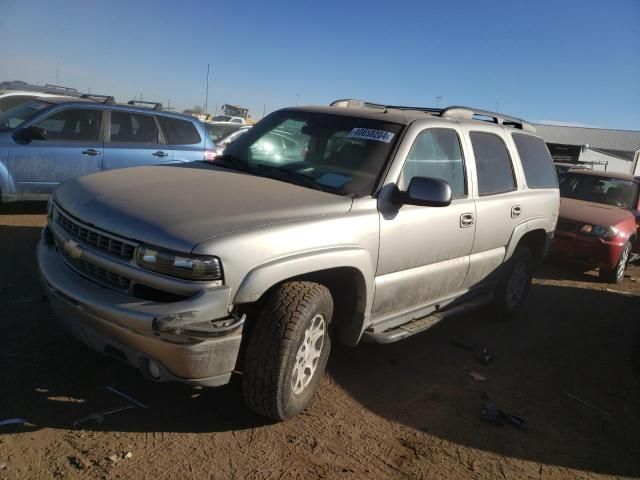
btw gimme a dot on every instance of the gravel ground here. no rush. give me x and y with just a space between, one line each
406 410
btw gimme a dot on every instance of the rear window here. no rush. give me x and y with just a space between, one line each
179 132
493 164
536 161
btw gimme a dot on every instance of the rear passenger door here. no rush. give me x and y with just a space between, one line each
185 141
498 204
133 139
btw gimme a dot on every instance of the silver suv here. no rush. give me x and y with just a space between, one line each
354 222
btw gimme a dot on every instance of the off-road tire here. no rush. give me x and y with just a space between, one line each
521 262
617 274
275 341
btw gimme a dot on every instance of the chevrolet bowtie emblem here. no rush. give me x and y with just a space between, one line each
73 249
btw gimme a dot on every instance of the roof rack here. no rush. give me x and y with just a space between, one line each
108 99
60 87
454 112
156 105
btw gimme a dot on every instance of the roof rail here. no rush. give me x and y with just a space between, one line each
108 99
60 87
156 105
468 113
455 112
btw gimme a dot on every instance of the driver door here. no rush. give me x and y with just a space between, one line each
73 148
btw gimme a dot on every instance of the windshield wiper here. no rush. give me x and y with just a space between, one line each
285 174
231 162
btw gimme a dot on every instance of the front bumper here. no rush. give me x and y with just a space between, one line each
589 251
121 326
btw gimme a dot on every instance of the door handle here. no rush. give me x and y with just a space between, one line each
466 220
160 154
516 211
91 152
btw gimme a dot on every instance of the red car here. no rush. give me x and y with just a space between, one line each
598 221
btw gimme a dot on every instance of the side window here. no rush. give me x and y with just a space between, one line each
493 164
536 161
133 128
73 124
436 153
179 132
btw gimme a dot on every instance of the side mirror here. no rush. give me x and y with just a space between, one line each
31 133
424 191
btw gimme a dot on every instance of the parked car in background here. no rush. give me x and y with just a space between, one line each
344 223
48 140
217 131
13 98
228 119
597 226
226 140
562 167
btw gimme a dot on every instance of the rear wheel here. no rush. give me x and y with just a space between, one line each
617 274
288 350
514 285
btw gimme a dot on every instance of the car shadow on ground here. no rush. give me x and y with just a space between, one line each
568 340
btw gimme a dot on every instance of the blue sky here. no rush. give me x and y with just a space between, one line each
565 61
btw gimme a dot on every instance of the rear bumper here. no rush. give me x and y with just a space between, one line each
593 252
120 326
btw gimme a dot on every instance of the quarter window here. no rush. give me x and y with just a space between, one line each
179 132
536 161
73 125
436 153
133 128
493 164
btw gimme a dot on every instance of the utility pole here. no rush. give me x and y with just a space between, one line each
438 98
497 107
206 95
58 73
297 98
264 110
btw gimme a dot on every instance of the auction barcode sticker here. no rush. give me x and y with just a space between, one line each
371 134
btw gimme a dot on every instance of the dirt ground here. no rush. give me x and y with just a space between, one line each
406 410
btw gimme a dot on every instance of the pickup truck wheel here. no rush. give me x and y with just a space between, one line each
288 350
617 274
514 285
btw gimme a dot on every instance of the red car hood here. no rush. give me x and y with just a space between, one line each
594 213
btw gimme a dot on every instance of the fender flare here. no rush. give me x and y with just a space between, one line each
536 223
265 276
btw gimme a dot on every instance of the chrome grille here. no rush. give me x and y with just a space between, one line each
99 274
566 226
100 241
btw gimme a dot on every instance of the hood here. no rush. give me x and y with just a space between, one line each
594 213
178 207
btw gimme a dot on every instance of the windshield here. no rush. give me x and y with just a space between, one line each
16 116
221 118
334 153
216 131
599 189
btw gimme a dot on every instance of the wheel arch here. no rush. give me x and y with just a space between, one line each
348 274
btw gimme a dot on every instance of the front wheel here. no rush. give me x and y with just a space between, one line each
288 350
617 274
514 285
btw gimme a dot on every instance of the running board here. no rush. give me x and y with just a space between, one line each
421 324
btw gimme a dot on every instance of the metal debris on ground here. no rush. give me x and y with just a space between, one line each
586 404
13 421
477 376
124 395
492 414
618 292
485 357
116 457
98 417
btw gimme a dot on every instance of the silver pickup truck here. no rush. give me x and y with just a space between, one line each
353 222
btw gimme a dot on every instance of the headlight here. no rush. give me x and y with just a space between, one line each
597 231
191 267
